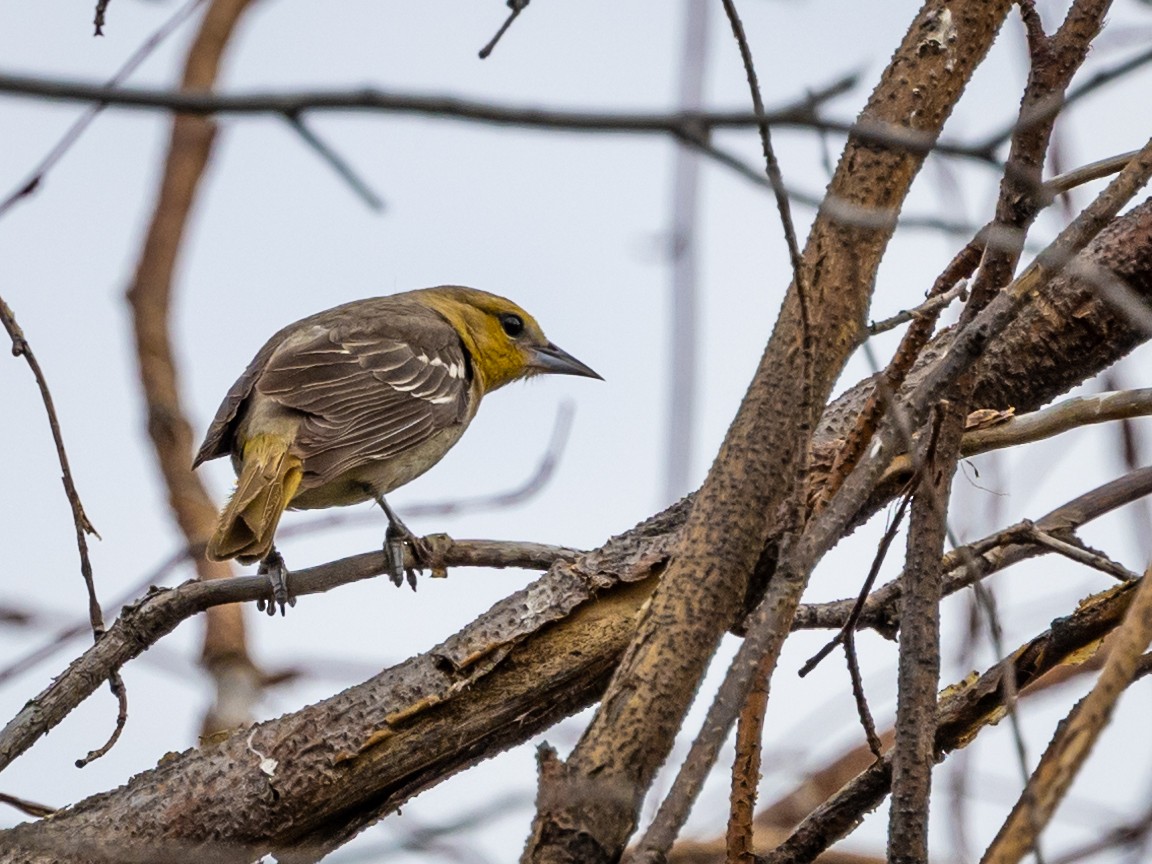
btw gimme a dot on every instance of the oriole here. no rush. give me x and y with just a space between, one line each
348 404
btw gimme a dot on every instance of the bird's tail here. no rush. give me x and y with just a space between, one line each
269 477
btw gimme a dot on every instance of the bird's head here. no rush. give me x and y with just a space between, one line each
504 341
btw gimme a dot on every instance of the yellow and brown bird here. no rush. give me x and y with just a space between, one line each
348 404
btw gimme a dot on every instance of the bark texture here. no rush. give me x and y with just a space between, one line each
589 809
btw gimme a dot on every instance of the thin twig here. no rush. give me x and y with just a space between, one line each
865 589
802 113
80 521
932 306
746 768
1075 550
775 177
70 137
98 21
862 709
336 162
1076 736
517 6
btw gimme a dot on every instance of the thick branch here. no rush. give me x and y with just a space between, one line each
590 808
919 671
144 623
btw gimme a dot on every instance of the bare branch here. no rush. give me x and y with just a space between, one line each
919 665
159 612
70 137
517 6
83 527
689 124
968 565
1065 416
1076 736
225 650
963 711
932 306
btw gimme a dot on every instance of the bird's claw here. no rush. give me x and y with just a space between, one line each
395 540
272 566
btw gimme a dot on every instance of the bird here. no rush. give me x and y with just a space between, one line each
348 404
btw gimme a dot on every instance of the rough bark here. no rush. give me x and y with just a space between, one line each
589 809
919 668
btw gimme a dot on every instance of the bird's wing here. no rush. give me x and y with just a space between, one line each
367 395
218 440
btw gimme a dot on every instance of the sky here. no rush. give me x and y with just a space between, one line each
574 227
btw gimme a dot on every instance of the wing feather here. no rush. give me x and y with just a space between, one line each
364 396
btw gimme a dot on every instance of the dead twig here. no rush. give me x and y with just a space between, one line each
749 735
80 521
1076 736
933 306
963 711
72 135
517 6
866 589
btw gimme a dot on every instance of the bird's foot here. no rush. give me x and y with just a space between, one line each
395 539
272 566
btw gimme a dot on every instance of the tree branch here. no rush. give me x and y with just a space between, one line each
963 712
1076 736
755 473
225 651
687 124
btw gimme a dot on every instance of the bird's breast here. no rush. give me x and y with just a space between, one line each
376 476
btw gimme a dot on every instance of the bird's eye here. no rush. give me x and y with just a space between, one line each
513 325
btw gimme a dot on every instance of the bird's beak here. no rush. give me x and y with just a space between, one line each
552 360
